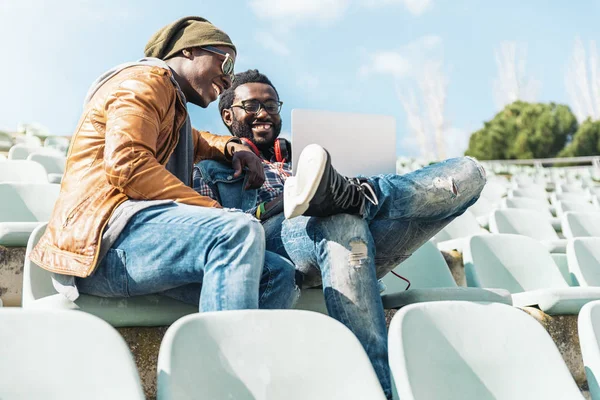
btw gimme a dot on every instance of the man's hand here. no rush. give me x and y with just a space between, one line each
242 157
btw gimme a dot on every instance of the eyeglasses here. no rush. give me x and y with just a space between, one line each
254 106
228 63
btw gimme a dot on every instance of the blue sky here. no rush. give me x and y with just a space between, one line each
340 55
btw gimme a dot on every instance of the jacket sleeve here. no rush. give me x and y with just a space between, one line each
210 147
134 112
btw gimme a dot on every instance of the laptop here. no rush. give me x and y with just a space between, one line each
359 144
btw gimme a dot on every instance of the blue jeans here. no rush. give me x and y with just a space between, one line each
347 254
209 257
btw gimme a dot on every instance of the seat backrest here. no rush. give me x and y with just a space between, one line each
528 204
582 197
531 192
564 206
513 262
494 190
523 222
37 282
22 171
588 326
54 164
580 224
583 255
571 188
56 354
27 202
462 226
475 351
426 268
483 207
263 354
21 151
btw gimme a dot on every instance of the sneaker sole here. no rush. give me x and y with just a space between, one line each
299 190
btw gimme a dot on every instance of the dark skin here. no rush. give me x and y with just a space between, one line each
201 80
264 126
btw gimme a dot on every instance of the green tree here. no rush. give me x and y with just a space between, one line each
586 141
524 130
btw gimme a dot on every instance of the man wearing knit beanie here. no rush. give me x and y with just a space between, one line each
127 222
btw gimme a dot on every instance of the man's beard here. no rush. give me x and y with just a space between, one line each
244 130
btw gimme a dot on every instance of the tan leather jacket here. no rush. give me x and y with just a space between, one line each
119 150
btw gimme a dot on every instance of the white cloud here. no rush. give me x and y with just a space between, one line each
406 62
415 7
270 42
293 11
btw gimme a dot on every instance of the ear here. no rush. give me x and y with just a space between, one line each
227 116
187 53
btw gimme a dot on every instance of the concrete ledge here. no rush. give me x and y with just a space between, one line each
11 275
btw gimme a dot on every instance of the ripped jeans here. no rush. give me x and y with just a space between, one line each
348 254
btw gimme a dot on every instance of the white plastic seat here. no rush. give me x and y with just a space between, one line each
263 354
454 235
494 190
588 324
53 164
528 223
151 310
580 224
482 209
571 197
565 206
21 151
583 255
57 143
22 171
475 351
524 267
527 203
530 192
431 280
24 207
53 354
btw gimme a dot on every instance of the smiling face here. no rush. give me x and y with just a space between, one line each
261 128
205 80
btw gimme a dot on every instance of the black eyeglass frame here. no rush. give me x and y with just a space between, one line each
228 62
261 106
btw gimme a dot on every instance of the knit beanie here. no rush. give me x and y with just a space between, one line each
185 33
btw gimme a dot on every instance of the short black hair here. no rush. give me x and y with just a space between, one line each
250 76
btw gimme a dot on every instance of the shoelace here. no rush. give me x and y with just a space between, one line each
350 198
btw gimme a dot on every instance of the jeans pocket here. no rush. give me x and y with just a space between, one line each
110 277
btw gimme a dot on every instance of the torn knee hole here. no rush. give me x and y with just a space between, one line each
358 253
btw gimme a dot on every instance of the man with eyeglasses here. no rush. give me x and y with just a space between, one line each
127 221
347 232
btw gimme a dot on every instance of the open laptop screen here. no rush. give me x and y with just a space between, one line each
359 144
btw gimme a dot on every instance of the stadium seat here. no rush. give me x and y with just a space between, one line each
431 280
475 351
575 188
152 310
22 151
494 190
571 197
527 203
2 157
22 171
24 207
565 206
530 192
263 354
53 164
482 209
53 354
583 255
58 143
524 267
528 223
588 324
454 235
580 224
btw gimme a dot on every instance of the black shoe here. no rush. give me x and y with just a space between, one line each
318 190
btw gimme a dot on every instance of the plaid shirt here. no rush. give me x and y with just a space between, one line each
275 175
